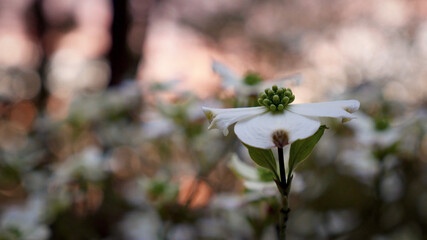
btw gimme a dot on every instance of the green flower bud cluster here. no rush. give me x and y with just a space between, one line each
252 79
275 98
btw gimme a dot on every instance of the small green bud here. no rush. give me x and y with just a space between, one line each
252 79
280 92
266 90
285 100
266 102
288 93
275 88
261 101
291 98
276 99
273 107
270 92
262 94
280 107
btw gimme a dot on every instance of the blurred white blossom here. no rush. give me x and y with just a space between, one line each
25 221
89 164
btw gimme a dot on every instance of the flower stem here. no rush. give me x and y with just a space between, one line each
285 187
282 167
284 211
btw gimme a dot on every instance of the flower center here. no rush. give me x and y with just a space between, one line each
275 98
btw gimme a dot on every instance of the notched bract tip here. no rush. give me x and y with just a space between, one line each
280 138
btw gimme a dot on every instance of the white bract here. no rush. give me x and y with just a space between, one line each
367 134
252 180
261 128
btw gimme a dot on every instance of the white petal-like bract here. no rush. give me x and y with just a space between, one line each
243 169
258 131
229 77
335 109
223 118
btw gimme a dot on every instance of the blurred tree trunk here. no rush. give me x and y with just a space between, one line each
38 32
128 15
119 55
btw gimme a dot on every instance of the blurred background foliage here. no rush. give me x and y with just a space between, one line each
102 134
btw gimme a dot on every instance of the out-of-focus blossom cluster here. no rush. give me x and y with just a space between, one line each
81 160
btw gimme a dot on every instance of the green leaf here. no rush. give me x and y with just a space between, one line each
263 157
264 174
301 149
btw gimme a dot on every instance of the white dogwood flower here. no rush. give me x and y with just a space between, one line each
277 123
